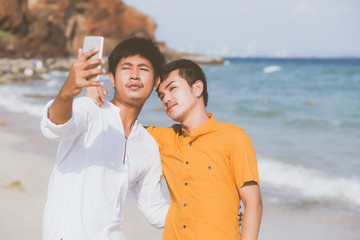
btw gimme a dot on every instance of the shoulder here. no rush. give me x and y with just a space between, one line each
173 129
84 101
230 128
162 133
147 138
232 135
84 106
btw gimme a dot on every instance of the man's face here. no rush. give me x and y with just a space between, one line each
134 80
178 98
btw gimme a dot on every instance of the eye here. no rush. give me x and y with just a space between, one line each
125 68
144 69
172 88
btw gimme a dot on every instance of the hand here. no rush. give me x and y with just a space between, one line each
240 216
97 94
83 69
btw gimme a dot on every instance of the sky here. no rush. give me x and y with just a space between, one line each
270 28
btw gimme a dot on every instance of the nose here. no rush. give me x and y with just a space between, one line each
134 75
167 98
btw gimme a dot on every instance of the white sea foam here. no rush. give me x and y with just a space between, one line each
227 63
271 69
14 101
31 96
309 182
24 99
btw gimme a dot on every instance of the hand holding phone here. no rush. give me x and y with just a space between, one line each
92 42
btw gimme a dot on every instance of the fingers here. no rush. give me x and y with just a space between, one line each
97 94
91 73
100 91
98 102
85 62
89 54
240 217
92 63
92 84
80 53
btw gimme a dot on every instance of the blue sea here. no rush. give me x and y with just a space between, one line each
303 116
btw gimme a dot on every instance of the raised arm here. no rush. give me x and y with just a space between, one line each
81 70
251 197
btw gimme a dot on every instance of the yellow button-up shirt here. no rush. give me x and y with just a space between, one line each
204 171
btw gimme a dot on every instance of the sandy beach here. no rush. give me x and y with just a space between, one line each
26 163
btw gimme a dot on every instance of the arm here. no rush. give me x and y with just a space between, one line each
244 166
251 197
150 199
82 69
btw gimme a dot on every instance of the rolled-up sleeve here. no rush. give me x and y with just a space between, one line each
149 196
72 128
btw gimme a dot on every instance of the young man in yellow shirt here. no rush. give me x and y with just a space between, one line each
209 166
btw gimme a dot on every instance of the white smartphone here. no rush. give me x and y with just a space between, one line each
91 42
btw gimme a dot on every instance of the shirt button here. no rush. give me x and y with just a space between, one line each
186 184
186 162
209 167
184 226
185 204
190 144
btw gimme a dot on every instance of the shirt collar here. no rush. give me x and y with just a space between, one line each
117 110
202 129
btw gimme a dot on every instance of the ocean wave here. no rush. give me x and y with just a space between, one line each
309 182
23 98
271 69
15 105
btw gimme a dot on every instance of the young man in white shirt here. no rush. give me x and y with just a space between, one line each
103 152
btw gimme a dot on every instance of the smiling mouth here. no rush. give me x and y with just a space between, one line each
170 106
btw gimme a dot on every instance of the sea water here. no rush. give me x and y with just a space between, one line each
303 116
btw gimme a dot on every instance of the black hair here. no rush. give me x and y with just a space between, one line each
188 70
137 46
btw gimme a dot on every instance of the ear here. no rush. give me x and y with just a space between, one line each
157 82
198 88
112 79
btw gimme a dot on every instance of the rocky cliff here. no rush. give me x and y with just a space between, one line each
52 28
48 28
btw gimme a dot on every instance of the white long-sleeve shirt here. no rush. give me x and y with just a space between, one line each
95 166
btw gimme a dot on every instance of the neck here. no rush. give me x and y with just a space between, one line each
128 115
195 119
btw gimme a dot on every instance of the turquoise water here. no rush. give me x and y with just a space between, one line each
306 113
301 114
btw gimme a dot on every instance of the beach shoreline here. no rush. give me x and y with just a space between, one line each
26 162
